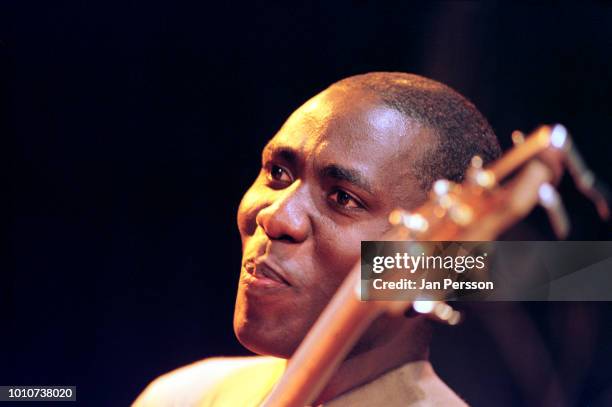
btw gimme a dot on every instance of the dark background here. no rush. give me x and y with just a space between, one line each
131 131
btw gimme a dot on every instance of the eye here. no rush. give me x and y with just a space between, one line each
344 199
278 173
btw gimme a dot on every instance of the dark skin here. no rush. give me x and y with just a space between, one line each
329 179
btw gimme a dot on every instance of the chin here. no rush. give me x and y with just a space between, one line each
265 329
262 333
263 341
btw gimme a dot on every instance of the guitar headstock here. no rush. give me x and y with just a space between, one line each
492 199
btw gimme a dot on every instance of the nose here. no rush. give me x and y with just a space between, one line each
286 217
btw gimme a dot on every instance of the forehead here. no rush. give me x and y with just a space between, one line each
344 118
355 129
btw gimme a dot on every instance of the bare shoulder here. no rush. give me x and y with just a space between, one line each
186 385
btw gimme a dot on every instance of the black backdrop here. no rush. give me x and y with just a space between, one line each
131 131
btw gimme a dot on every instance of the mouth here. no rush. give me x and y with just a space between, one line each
261 269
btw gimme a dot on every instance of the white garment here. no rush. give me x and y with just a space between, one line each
245 381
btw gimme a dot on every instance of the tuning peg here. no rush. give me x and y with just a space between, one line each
438 310
559 137
441 187
551 201
485 179
476 162
461 214
479 176
518 137
414 222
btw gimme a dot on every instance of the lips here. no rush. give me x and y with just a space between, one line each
262 269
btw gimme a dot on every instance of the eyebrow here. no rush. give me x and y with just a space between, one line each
333 171
351 176
285 153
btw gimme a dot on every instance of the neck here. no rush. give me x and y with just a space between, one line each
370 360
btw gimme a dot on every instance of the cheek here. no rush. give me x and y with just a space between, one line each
337 252
340 250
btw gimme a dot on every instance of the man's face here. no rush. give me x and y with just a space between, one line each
329 179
